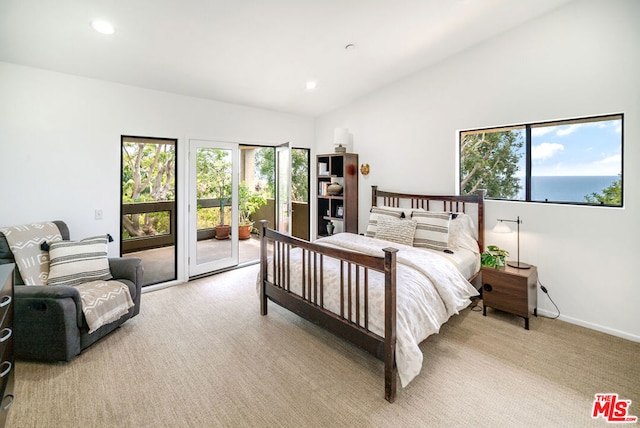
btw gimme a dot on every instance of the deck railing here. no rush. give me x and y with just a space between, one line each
141 243
147 242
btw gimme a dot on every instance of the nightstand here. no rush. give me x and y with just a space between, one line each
511 290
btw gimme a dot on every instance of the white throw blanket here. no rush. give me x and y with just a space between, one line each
429 291
103 302
25 241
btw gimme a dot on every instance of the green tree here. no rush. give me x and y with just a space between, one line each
147 175
213 180
265 161
489 160
611 195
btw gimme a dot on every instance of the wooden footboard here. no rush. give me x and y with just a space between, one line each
310 303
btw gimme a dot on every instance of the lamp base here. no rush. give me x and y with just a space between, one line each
519 265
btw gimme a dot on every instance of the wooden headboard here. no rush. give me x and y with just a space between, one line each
470 204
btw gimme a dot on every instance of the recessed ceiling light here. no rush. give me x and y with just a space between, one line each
312 84
103 27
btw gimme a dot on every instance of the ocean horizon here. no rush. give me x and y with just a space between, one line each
566 188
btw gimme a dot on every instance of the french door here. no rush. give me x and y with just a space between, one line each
283 188
213 206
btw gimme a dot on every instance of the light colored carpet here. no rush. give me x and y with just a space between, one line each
200 355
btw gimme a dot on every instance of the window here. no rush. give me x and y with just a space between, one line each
577 161
148 205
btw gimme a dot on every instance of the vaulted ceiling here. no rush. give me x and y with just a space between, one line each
259 53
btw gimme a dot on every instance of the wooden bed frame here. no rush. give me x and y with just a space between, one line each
345 325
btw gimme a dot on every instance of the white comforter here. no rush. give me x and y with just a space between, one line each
429 290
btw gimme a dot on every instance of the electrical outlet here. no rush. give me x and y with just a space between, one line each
98 214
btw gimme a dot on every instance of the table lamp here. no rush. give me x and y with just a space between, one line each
502 227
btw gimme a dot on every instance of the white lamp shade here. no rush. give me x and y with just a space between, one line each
501 227
341 136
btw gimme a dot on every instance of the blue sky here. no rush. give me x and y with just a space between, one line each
592 148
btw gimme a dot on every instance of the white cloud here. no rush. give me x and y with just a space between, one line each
610 161
545 150
568 130
539 132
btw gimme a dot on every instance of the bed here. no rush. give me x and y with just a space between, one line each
389 288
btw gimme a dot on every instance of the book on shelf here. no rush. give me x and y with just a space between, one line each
322 188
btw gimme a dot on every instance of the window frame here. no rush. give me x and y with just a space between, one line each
527 127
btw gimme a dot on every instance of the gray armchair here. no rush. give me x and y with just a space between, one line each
48 321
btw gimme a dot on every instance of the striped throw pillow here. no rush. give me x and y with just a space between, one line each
75 262
432 230
396 230
380 212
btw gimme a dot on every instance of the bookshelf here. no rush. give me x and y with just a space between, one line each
341 209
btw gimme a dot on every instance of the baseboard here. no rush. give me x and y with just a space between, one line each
589 325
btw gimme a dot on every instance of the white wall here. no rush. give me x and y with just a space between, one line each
60 142
580 60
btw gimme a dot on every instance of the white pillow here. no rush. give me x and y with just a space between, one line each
432 229
463 234
377 213
75 262
396 230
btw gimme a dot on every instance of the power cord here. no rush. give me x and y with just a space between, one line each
475 307
545 291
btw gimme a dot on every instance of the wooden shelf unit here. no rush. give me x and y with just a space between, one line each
341 168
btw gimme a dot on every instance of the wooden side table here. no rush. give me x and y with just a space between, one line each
511 290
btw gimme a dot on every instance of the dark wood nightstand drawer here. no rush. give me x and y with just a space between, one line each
506 293
511 290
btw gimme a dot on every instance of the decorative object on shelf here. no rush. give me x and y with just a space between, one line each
322 168
340 211
501 227
364 169
334 189
493 257
330 228
341 139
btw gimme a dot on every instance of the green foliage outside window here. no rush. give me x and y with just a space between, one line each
489 160
265 163
213 181
147 176
611 195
